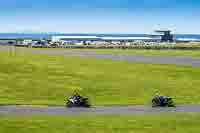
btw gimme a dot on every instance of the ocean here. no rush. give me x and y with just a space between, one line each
48 35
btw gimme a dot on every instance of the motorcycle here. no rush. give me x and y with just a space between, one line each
77 102
162 101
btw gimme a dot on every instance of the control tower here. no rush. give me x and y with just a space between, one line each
166 35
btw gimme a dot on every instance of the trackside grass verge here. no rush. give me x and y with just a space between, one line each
36 79
162 123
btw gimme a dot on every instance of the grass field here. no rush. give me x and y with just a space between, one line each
46 80
162 123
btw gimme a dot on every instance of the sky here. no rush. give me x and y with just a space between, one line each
99 16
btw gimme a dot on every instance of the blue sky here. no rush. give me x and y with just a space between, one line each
99 16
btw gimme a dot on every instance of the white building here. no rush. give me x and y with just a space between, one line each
94 40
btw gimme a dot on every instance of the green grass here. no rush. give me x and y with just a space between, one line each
162 123
47 79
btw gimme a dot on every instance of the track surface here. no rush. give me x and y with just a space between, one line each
153 59
95 110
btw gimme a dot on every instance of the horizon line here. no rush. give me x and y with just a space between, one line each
90 33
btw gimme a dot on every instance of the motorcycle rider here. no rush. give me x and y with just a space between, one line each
160 98
76 98
157 96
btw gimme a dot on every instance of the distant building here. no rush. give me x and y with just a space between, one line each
95 40
165 35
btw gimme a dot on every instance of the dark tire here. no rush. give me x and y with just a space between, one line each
69 104
170 103
86 103
171 106
87 106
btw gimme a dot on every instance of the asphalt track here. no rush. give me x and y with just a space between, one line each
182 61
24 110
153 59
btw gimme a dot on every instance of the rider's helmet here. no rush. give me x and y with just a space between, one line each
157 94
76 94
